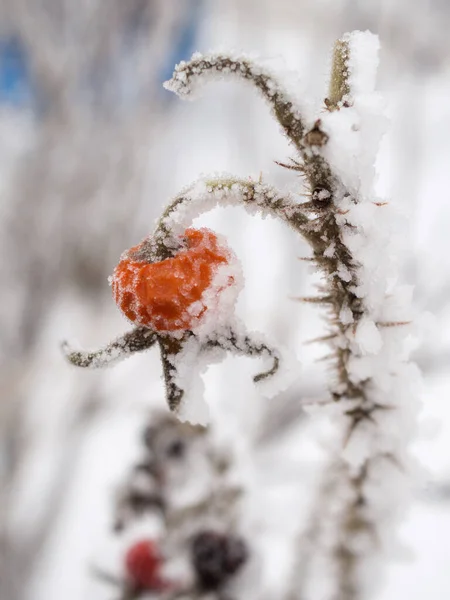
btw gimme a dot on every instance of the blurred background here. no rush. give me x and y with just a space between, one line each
91 148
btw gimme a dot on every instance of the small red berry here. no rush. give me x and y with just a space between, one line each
143 564
161 295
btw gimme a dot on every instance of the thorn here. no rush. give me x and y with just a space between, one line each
260 177
306 258
326 357
393 323
357 415
380 203
293 167
323 338
313 299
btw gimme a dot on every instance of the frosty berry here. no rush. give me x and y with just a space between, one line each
143 564
216 557
170 295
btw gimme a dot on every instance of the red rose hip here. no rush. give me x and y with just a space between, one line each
169 295
143 564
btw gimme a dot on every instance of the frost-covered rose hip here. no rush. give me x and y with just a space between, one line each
173 294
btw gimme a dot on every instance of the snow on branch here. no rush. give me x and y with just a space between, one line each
375 385
352 235
137 340
209 192
247 345
188 75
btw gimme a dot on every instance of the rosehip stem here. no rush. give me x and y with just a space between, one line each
136 340
170 347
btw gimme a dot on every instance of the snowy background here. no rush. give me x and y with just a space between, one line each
91 148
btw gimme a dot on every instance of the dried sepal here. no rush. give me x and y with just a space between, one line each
244 344
393 323
136 340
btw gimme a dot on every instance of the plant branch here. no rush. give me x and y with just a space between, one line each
136 340
187 74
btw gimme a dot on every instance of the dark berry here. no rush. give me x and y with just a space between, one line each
216 557
236 554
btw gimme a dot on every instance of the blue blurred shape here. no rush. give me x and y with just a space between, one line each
15 88
184 44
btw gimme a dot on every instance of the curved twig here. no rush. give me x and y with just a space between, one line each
206 193
187 74
136 340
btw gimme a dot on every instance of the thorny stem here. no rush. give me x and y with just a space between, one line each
321 223
287 114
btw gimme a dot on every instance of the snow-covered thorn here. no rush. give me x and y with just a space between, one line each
313 299
393 323
357 415
136 340
323 338
295 166
187 75
330 356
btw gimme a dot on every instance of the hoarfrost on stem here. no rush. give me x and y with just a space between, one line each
353 237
